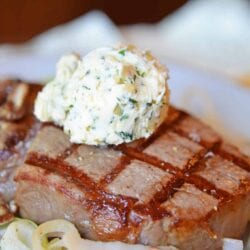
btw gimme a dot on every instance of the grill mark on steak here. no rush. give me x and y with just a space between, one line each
232 153
173 116
180 177
186 176
175 150
198 181
224 174
106 197
196 131
134 153
161 130
93 191
134 149
116 171
95 202
193 164
61 167
209 188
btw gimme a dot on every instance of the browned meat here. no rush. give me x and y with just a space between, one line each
17 127
5 214
182 186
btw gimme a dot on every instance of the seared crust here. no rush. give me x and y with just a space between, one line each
183 186
17 127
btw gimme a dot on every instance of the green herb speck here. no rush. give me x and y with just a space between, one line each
86 87
87 72
125 135
122 52
133 100
140 73
124 117
68 109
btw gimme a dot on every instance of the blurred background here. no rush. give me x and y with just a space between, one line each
23 19
196 32
205 45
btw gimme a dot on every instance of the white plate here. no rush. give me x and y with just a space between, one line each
221 103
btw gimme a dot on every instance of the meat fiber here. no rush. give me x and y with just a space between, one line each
183 186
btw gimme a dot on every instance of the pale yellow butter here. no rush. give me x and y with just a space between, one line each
111 96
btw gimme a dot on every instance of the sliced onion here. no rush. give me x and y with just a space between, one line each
18 235
65 236
69 238
54 228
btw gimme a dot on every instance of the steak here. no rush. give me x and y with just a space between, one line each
17 127
184 186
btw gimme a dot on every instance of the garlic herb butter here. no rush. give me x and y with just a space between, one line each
111 96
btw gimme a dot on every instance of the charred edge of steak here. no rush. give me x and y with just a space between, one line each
16 99
18 127
150 182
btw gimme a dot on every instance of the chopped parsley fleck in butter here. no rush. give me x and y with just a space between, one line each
111 96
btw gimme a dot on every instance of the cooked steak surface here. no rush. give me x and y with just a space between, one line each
183 186
6 215
17 127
